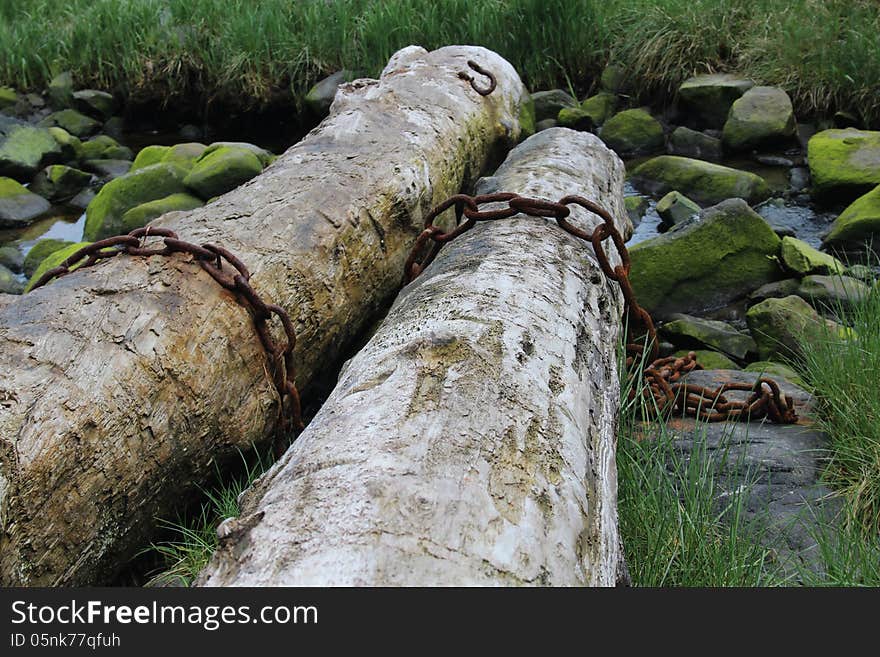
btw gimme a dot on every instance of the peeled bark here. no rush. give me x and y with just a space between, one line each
472 440
122 384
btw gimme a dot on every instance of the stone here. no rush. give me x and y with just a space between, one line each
321 95
691 143
636 207
600 107
191 132
8 98
837 294
801 258
862 272
265 157
221 170
71 147
708 97
107 170
97 104
12 258
775 370
721 255
187 154
858 224
25 149
694 332
614 79
779 326
18 206
58 183
103 147
709 360
526 118
9 284
633 132
844 163
143 214
844 119
39 252
104 216
704 182
53 260
548 103
60 91
761 117
776 290
79 125
114 127
546 124
575 118
148 156
674 208
82 199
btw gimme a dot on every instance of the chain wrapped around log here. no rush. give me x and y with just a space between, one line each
662 390
211 258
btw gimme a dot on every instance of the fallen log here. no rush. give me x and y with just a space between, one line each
472 440
122 384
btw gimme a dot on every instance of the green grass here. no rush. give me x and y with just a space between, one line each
826 53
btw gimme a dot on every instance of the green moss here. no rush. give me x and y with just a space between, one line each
25 149
148 156
185 155
859 222
103 147
39 252
600 107
770 369
72 121
687 331
710 360
8 97
779 327
763 116
71 147
10 187
59 182
845 162
221 170
143 214
674 208
803 259
53 260
527 118
633 131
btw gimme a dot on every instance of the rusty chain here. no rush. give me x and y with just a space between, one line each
234 278
464 75
662 385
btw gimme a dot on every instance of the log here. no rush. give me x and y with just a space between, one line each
122 384
472 440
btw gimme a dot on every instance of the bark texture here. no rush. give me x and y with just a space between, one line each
472 440
121 385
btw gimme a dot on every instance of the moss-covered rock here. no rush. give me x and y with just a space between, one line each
148 156
548 103
633 131
98 104
693 332
837 294
675 208
690 143
708 98
771 369
8 97
704 182
143 214
546 124
104 216
526 118
60 91
265 157
9 284
321 95
779 327
776 290
575 118
40 251
71 147
614 78
858 223
58 182
18 206
107 170
79 125
220 170
717 257
11 258
25 149
636 207
53 260
762 117
600 107
844 163
103 147
802 259
709 360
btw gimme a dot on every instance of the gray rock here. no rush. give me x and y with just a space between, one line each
114 127
79 125
799 179
690 143
835 294
12 258
687 331
546 124
60 91
775 290
708 98
548 103
676 208
9 284
97 104
107 170
191 132
321 95
762 117
18 206
636 207
58 183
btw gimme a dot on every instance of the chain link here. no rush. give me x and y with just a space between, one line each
464 75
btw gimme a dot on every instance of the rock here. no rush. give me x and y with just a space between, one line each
71 147
191 132
114 127
9 284
776 290
104 216
321 95
862 272
18 206
837 294
844 163
98 104
546 124
632 132
762 117
11 258
689 331
25 149
266 158
709 360
60 91
801 258
103 147
614 79
674 208
82 199
708 98
704 182
107 170
774 370
221 170
548 103
575 118
8 98
186 155
39 252
636 207
779 325
844 119
705 263
690 143
53 260
600 107
58 183
79 125
798 179
148 156
143 214
526 118
858 224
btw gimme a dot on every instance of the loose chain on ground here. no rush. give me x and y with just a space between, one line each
211 258
662 390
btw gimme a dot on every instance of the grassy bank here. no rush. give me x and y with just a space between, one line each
826 53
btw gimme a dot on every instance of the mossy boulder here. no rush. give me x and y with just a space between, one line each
8 98
60 91
636 207
633 132
704 182
675 208
183 155
837 294
780 326
265 157
143 214
18 206
53 260
222 169
9 284
71 147
691 143
761 117
104 216
321 95
107 170
600 107
40 251
79 125
709 360
708 98
103 147
575 118
858 223
770 369
148 156
802 259
724 253
25 149
844 163
98 104
614 79
549 103
689 331
58 183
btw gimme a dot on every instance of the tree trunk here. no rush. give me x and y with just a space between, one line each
122 384
472 440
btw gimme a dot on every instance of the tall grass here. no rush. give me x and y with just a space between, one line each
826 53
